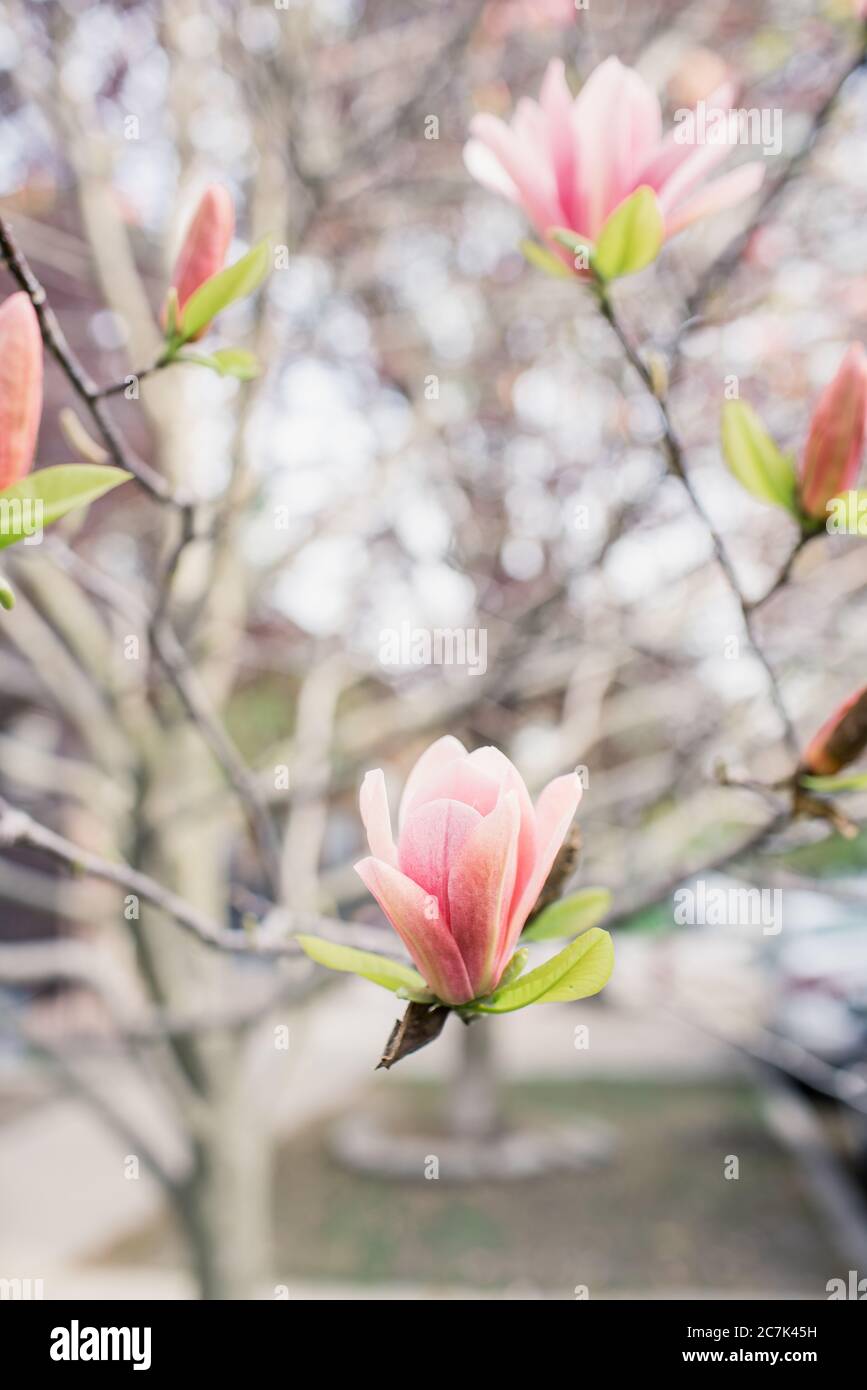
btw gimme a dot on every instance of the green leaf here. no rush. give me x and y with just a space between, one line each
570 915
573 241
631 238
222 289
543 259
172 312
854 782
580 247
514 968
382 971
754 458
580 969
235 362
43 497
7 596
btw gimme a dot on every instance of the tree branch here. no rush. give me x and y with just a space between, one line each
18 828
674 453
85 388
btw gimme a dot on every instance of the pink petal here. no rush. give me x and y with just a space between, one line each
480 891
701 160
430 842
671 153
554 812
526 166
206 243
444 751
373 803
531 128
21 371
835 443
460 780
722 193
669 156
556 102
487 170
503 772
414 915
618 122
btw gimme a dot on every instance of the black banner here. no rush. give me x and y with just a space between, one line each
150 1339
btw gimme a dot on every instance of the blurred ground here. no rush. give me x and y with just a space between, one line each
660 1218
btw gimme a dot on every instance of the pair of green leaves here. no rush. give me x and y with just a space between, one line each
755 460
581 969
210 299
630 239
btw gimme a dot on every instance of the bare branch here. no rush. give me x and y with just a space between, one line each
87 390
17 828
674 453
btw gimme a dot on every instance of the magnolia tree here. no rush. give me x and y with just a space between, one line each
214 860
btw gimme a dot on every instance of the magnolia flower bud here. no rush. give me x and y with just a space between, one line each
832 455
20 387
205 245
841 738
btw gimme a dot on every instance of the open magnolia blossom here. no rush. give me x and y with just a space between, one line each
471 858
571 162
459 883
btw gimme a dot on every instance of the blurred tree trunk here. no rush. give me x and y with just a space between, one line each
229 1198
474 1110
226 1206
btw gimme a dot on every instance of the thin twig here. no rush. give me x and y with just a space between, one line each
674 453
18 828
753 842
117 388
720 270
81 382
782 578
197 702
194 697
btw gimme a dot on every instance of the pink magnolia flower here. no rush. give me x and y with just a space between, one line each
570 162
835 443
205 245
20 387
471 859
